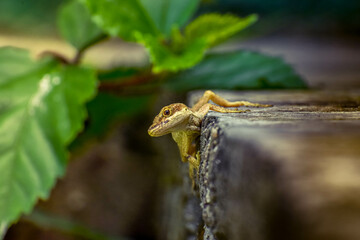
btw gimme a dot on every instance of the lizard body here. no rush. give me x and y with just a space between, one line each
184 124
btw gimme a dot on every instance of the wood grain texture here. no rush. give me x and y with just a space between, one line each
287 172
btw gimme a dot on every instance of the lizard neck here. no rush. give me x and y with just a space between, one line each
180 136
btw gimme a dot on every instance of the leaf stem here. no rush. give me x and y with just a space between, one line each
81 51
59 57
143 83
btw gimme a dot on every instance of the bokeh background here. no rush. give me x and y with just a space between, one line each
125 184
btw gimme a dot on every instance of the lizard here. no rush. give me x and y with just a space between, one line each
184 124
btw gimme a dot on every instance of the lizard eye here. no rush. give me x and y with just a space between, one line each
166 112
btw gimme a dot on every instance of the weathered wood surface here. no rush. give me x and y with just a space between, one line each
287 172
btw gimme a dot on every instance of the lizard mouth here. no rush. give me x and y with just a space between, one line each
157 130
153 131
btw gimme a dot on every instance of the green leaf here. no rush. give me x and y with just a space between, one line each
215 28
14 62
121 18
76 26
167 13
237 70
42 112
164 58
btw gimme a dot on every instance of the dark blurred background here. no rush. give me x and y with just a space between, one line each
316 17
116 186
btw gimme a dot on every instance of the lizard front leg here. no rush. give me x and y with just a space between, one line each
194 164
209 95
193 161
188 151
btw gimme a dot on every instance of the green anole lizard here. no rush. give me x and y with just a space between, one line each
184 124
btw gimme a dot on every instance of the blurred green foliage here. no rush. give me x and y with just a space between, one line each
244 70
29 16
77 29
43 110
43 103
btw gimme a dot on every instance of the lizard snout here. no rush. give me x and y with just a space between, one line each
153 131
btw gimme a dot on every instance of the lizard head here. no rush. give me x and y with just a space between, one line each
171 118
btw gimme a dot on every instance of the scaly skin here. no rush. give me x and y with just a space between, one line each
184 124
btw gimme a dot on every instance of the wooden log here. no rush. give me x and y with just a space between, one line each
291 171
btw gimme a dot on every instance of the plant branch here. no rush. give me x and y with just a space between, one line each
59 57
81 51
143 83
